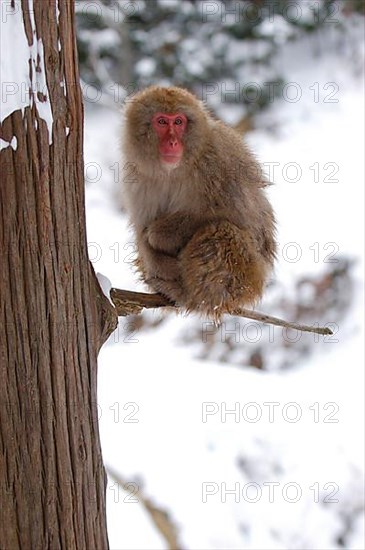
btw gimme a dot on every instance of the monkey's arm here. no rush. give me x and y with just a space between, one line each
170 233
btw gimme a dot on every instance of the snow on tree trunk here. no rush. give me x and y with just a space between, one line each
54 316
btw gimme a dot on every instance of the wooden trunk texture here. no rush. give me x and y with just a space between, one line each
54 317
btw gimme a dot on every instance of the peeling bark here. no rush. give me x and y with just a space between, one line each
54 316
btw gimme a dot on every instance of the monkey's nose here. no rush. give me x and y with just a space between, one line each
173 141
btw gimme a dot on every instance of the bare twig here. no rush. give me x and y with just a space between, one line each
160 517
268 319
128 302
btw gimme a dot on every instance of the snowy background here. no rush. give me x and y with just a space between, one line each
247 436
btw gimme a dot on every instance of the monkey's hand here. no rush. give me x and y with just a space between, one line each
154 263
170 233
160 271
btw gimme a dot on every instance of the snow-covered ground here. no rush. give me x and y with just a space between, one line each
239 457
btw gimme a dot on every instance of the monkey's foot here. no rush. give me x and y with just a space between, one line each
169 289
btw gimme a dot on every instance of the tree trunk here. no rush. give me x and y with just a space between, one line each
54 316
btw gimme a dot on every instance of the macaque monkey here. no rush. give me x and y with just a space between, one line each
204 227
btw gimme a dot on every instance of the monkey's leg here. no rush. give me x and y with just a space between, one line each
222 268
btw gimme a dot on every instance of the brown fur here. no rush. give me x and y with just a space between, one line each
205 229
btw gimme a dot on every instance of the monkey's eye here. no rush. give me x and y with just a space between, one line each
178 121
161 121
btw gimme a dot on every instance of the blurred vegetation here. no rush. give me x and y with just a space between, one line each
125 45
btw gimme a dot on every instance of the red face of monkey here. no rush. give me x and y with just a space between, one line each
170 130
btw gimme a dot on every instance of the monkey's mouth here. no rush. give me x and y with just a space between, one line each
171 159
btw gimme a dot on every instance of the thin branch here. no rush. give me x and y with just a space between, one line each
270 320
128 302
